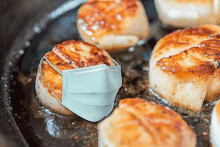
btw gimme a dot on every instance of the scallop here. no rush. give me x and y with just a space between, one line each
139 123
184 66
112 25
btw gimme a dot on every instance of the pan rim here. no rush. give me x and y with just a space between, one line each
27 33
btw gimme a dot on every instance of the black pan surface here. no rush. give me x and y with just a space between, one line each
33 125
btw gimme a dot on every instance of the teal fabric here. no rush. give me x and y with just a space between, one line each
99 79
90 92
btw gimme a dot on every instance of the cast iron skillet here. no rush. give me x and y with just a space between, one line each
28 31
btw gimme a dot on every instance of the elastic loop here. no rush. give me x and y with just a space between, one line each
41 61
115 62
52 65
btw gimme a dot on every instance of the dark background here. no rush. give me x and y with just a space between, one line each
14 15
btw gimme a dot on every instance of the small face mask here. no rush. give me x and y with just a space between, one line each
89 92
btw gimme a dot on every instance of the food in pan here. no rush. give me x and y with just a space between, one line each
138 123
184 66
188 13
112 25
215 126
67 55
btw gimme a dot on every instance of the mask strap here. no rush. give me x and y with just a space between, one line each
41 62
115 62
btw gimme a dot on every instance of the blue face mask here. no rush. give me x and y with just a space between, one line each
89 92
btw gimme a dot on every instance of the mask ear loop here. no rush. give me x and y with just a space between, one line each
41 62
115 62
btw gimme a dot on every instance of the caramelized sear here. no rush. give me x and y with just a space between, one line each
200 61
182 39
101 17
112 25
188 60
137 122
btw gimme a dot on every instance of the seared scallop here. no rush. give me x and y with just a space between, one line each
185 66
215 126
138 123
112 25
188 13
67 55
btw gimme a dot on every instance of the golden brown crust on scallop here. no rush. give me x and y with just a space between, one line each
112 25
168 126
70 55
204 58
185 38
204 61
108 16
162 126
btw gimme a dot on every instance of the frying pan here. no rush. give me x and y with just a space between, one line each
29 29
